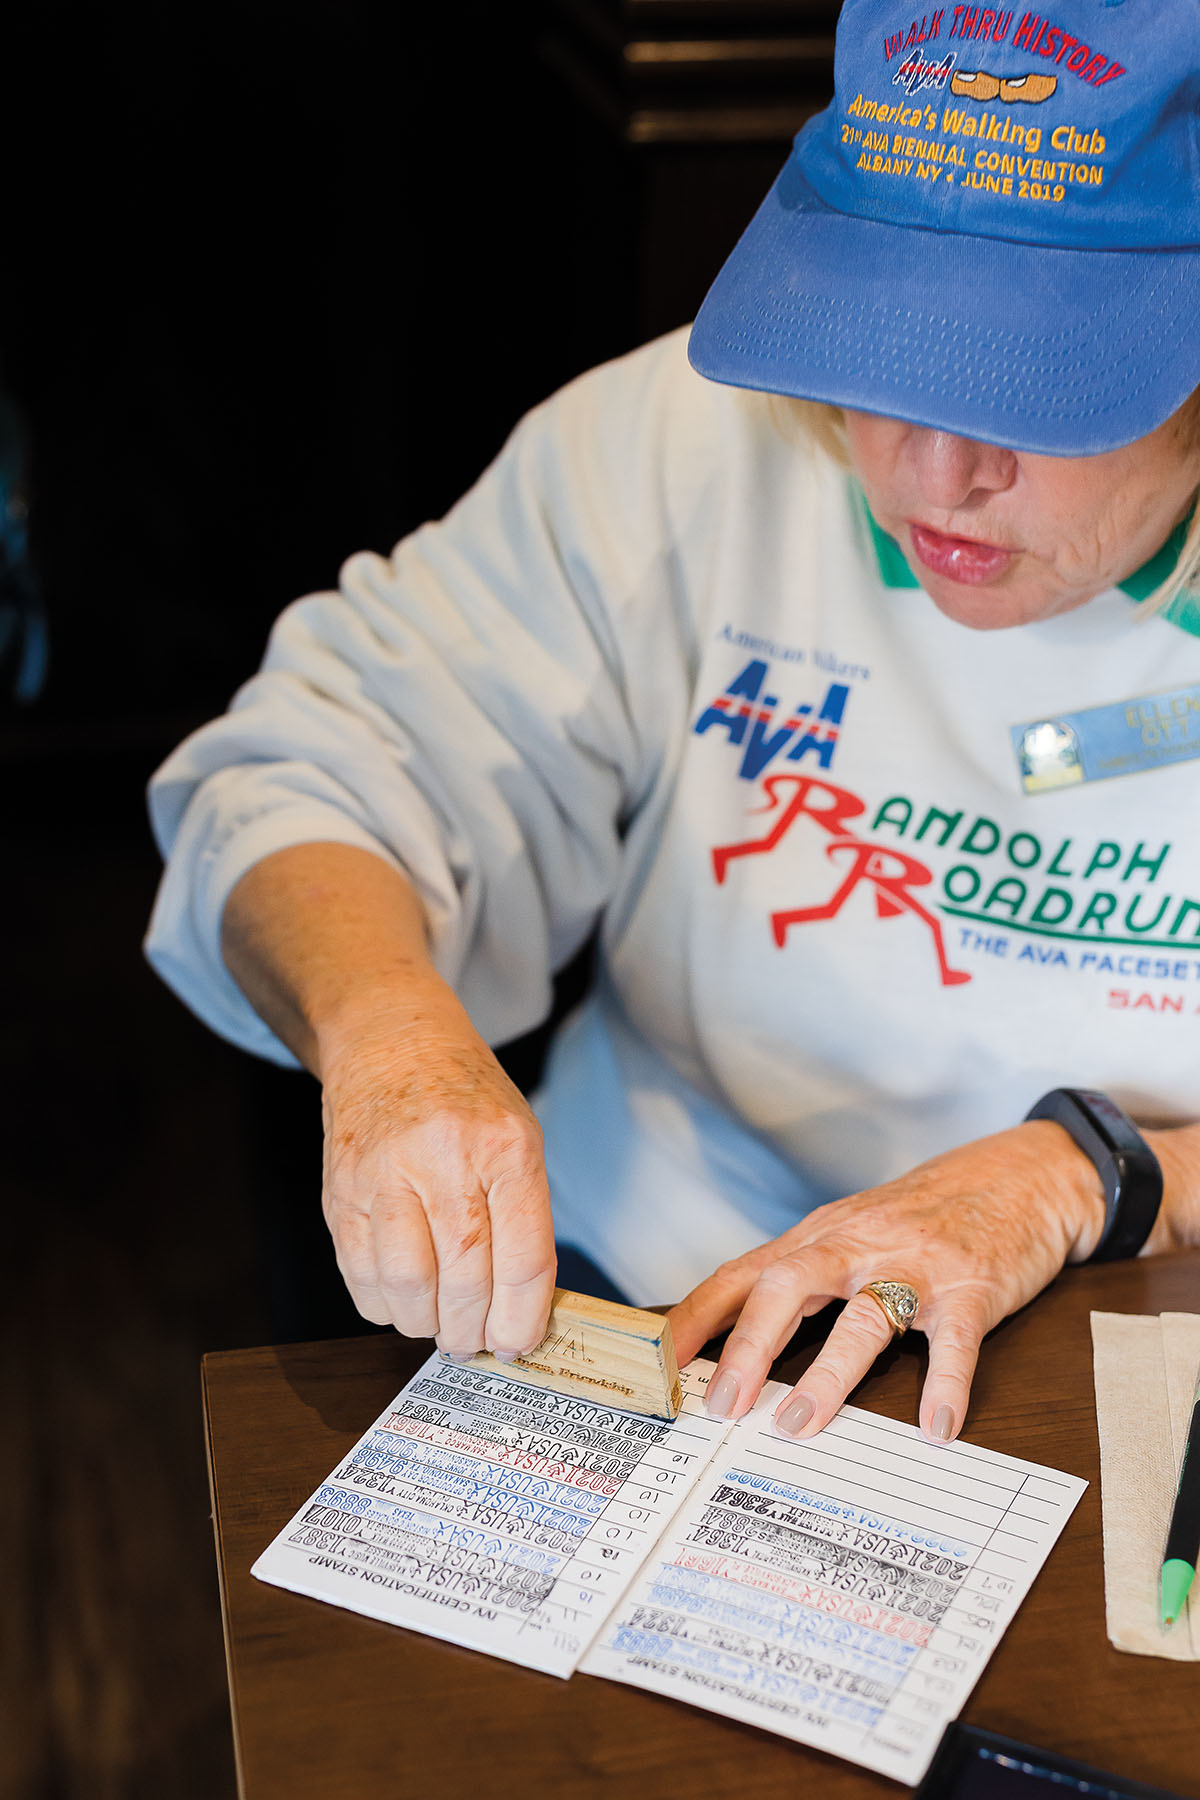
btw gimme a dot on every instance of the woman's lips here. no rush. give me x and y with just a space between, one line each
961 559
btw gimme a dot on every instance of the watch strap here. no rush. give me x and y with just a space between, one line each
1124 1160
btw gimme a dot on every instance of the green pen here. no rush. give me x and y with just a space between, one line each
1183 1539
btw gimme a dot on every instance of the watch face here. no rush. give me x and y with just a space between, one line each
1108 1117
1121 1156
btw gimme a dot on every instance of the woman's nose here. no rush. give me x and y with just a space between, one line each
952 470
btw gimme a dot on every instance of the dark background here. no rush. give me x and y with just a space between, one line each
277 281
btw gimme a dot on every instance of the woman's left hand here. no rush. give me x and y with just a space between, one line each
977 1232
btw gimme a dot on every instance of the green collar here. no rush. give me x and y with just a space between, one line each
1184 612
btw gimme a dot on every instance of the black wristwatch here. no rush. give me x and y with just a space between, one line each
1127 1165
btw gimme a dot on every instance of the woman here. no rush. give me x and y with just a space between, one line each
866 885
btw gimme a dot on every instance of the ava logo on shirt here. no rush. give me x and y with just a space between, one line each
764 730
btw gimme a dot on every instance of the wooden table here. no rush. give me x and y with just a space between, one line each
327 1704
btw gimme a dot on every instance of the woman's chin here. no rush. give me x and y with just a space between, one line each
979 608
995 607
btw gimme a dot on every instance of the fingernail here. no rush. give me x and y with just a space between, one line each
794 1416
506 1356
721 1397
456 1356
943 1424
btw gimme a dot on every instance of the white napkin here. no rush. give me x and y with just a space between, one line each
1146 1372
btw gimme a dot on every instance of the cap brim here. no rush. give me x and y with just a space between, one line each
1063 352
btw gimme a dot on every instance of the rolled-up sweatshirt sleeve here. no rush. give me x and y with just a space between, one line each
481 709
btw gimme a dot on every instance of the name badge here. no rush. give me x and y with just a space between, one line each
1101 741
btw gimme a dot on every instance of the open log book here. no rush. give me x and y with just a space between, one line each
846 1591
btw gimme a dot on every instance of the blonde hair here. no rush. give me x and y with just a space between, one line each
815 422
1184 580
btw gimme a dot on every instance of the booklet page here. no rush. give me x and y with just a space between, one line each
494 1514
845 1591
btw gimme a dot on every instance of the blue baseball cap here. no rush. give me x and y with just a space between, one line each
993 229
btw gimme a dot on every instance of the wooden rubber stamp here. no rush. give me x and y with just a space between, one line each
596 1350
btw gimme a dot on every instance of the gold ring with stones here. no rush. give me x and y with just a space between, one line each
897 1301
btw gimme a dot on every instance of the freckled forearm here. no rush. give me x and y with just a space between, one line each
322 938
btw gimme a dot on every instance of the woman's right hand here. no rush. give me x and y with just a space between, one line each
434 1183
435 1188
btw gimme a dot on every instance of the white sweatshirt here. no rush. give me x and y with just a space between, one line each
649 670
